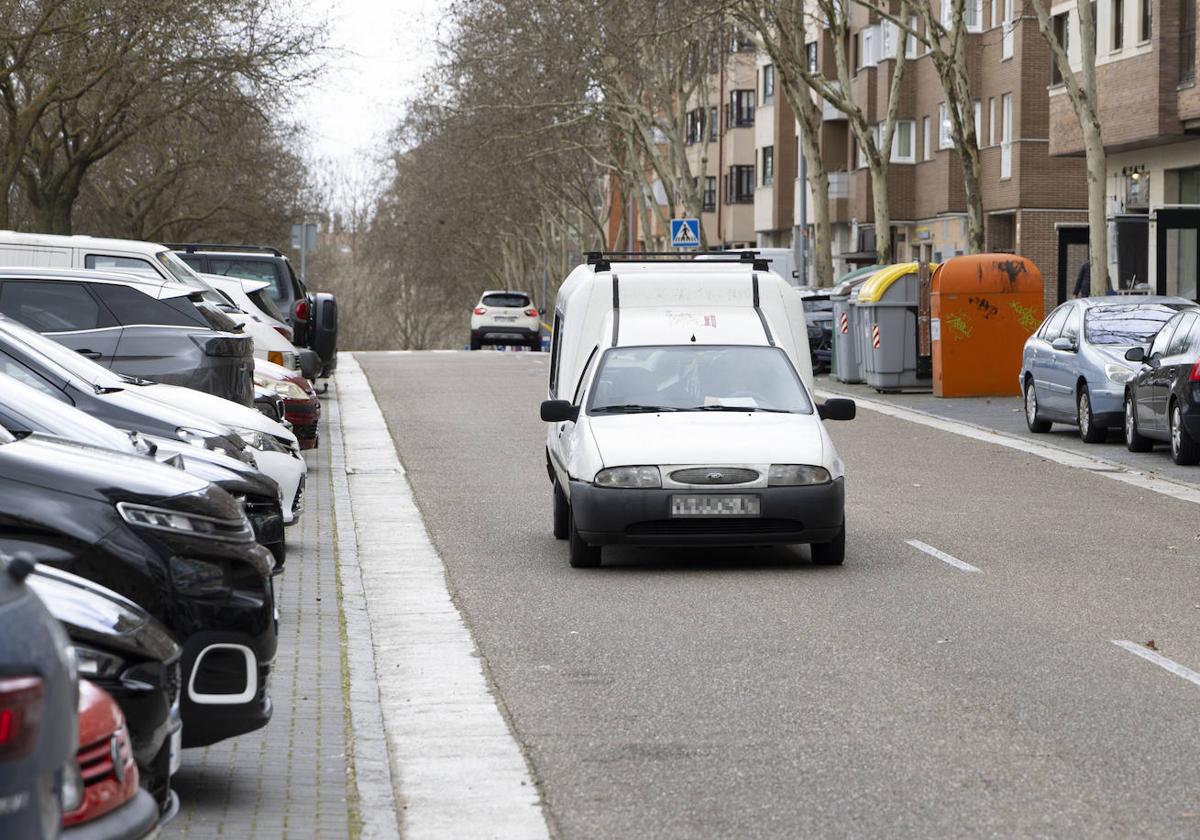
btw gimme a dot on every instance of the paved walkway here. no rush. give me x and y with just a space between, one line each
293 779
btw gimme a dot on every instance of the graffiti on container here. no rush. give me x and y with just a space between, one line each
959 326
985 306
1011 268
1026 316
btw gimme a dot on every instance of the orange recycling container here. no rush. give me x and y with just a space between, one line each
982 307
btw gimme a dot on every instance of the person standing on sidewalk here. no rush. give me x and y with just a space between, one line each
1083 283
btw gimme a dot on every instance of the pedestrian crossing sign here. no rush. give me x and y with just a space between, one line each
685 233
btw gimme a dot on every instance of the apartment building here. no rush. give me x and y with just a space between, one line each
1146 69
1031 200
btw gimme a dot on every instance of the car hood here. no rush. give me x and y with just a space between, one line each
63 467
215 409
98 617
708 438
228 473
1114 353
130 409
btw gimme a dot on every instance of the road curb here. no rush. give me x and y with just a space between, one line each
459 769
373 771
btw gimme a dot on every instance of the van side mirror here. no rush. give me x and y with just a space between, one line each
559 411
837 409
1135 354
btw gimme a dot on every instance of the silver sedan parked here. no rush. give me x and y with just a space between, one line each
1073 369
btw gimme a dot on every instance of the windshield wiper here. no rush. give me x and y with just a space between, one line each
133 380
737 408
632 408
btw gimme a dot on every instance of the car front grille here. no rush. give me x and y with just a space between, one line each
714 475
298 502
173 682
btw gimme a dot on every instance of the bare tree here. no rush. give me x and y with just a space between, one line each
1082 93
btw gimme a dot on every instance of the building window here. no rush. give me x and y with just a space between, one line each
1118 24
1060 24
1006 39
695 126
741 108
713 124
768 83
740 42
870 46
1144 20
972 15
740 186
945 135
1006 135
910 40
925 134
810 50
978 122
991 121
903 142
710 192
1187 42
887 40
768 165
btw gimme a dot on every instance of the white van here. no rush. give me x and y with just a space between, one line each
681 411
127 256
780 260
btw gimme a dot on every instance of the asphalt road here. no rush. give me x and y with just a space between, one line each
747 693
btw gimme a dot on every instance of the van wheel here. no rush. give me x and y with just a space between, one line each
582 555
831 553
562 514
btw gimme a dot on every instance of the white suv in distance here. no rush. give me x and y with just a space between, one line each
506 318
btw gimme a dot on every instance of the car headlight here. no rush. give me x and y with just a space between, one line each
96 664
793 475
629 477
195 437
1118 373
71 792
186 524
262 441
198 577
287 390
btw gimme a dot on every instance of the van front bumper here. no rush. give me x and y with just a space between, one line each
611 516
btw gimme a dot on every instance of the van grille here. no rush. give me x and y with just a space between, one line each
714 475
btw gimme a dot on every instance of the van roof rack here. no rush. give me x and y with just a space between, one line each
193 247
602 260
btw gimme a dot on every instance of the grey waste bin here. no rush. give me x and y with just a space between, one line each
846 365
887 334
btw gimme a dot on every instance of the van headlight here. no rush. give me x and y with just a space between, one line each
626 477
1118 373
796 475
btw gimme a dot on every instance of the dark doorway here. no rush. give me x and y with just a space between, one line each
1072 254
1178 252
1133 251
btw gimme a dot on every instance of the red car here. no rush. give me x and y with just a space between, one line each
101 795
301 407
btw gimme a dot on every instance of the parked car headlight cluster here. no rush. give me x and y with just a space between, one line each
287 390
793 475
262 441
92 663
640 477
207 527
1118 373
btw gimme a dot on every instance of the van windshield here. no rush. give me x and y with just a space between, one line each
697 378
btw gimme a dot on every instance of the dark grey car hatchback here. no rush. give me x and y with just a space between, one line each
135 325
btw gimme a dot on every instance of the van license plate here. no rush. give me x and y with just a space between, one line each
692 506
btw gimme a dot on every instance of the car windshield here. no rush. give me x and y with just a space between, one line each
506 300
251 268
1127 323
697 378
263 301
67 361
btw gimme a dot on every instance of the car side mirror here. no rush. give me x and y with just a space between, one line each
1062 343
837 409
1135 354
559 411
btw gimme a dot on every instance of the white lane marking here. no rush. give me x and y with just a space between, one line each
460 771
1159 660
941 555
1098 466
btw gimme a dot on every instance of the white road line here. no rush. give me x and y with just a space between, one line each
941 555
1159 660
1098 466
460 771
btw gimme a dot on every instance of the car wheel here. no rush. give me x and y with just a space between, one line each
562 514
831 553
1035 423
582 555
1134 441
1184 450
1089 430
476 344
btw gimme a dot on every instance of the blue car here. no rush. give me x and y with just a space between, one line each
1074 370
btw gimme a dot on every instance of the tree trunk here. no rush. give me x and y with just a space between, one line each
818 183
1097 175
971 176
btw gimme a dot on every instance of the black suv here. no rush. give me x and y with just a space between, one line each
312 316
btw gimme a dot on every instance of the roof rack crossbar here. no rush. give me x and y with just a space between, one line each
193 247
602 260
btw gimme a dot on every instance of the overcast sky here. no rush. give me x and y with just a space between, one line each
381 49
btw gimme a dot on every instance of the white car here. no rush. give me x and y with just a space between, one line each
506 318
681 413
267 332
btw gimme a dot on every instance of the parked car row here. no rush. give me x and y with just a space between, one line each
145 501
1118 363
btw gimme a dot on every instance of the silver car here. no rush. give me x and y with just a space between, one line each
1073 369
